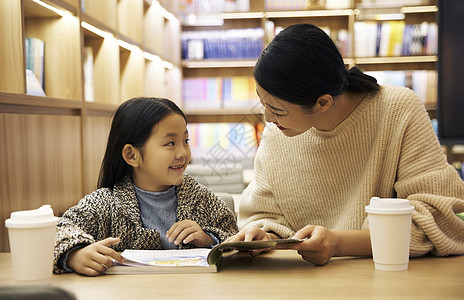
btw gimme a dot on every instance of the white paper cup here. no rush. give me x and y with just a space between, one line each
390 232
32 241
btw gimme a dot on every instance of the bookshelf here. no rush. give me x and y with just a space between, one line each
337 20
340 23
51 146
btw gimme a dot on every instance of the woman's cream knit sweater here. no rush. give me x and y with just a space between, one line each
385 148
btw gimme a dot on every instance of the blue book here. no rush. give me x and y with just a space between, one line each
227 89
378 37
407 38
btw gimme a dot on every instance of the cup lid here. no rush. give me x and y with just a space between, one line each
389 206
40 217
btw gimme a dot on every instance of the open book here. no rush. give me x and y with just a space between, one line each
197 260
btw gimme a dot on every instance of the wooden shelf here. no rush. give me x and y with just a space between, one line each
28 100
32 8
228 111
404 9
62 63
218 64
98 25
93 108
203 64
419 9
226 116
309 13
17 103
396 60
242 15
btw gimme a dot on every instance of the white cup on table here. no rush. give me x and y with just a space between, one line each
32 241
390 232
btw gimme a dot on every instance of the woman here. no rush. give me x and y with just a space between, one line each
334 140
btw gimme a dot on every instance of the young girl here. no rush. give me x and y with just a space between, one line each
143 200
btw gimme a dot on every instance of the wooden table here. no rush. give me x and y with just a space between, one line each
280 274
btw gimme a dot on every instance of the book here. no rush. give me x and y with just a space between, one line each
35 56
422 82
395 38
233 44
197 260
163 261
33 85
88 74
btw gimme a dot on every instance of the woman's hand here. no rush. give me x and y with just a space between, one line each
253 233
322 244
95 258
188 231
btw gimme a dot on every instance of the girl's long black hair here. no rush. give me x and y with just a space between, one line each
303 63
132 124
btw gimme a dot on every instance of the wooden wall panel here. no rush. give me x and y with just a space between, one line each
153 30
173 85
130 19
171 45
102 10
40 163
74 3
132 72
12 78
155 79
96 132
106 69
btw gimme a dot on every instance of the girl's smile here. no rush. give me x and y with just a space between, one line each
178 168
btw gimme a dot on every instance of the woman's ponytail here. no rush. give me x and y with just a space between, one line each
357 81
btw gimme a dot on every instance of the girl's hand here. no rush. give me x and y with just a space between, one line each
188 231
95 258
320 246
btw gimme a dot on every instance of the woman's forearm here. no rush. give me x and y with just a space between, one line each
353 242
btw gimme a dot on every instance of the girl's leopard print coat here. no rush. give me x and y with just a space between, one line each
115 213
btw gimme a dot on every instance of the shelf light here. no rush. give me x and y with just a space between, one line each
128 46
242 15
419 9
151 57
95 30
389 17
167 15
60 12
167 65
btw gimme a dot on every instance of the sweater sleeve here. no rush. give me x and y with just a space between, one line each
221 222
198 203
78 226
258 206
433 187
